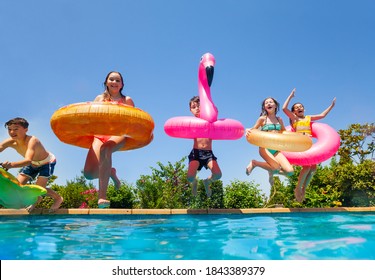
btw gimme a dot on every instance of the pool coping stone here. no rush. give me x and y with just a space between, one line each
96 211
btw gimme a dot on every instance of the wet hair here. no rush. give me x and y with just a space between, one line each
264 111
20 121
106 94
194 99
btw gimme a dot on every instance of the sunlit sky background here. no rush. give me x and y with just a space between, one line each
55 53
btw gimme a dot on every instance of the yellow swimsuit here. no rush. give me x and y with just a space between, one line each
303 125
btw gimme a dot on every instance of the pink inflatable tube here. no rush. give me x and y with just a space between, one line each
192 127
207 125
327 144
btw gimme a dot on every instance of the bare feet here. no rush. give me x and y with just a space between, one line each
206 183
249 168
115 179
103 203
194 187
270 178
32 207
56 205
297 194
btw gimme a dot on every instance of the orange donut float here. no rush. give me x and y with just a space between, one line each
76 124
285 141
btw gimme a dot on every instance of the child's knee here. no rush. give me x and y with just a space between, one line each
275 169
88 174
289 172
216 176
190 179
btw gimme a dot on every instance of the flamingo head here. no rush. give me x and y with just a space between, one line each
208 62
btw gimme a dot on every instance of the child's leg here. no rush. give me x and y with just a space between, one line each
308 178
301 180
286 167
91 168
215 171
192 174
105 165
271 164
42 181
215 175
115 179
23 179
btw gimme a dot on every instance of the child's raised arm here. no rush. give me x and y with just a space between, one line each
325 112
286 104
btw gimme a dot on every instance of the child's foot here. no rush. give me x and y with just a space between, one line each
194 187
249 168
103 203
56 205
270 178
297 195
206 183
115 179
32 207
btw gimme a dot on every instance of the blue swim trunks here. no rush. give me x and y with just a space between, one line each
203 156
43 170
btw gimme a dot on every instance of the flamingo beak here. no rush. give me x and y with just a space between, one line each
210 74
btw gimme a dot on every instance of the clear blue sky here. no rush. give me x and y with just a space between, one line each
55 53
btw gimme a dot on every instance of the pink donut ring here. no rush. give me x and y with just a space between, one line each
327 144
207 125
192 127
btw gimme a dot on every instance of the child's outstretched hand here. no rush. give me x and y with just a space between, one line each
6 165
292 94
333 101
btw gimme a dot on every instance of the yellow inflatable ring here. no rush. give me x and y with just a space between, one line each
285 141
16 196
76 124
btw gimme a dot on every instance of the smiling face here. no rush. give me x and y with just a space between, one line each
298 110
114 83
270 105
17 132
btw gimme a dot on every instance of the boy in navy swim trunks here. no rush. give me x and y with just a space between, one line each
37 162
201 156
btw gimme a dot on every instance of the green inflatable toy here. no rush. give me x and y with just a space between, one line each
16 196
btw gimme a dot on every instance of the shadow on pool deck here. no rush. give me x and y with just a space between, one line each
4 212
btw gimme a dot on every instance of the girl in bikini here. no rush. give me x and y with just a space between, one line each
99 158
275 162
302 124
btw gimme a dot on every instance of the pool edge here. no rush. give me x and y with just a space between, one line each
8 212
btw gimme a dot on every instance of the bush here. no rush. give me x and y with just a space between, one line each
243 195
123 197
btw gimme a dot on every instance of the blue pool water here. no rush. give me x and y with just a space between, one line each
311 236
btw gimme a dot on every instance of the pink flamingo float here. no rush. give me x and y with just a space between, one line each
207 125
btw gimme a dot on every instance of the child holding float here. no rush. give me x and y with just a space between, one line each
302 124
109 124
201 156
99 157
204 127
274 161
37 162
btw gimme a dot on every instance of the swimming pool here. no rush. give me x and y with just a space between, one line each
292 236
